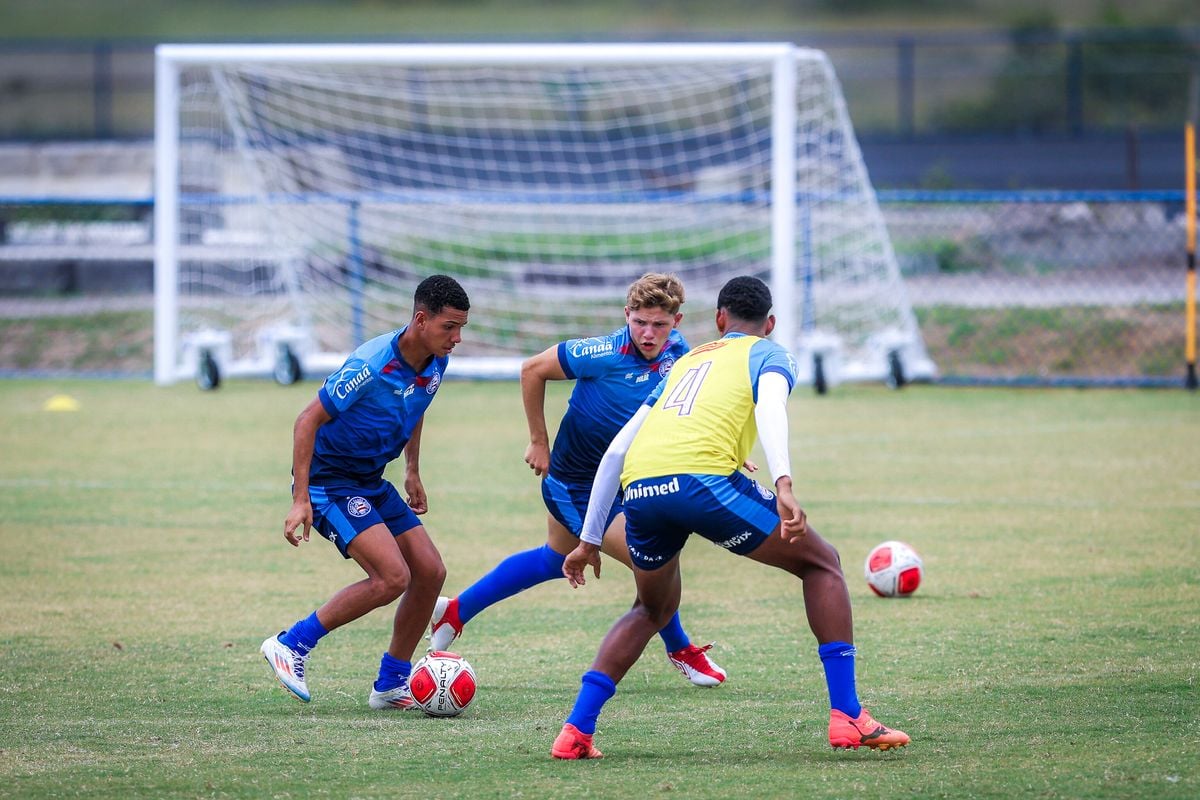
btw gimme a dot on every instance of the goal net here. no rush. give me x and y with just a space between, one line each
303 191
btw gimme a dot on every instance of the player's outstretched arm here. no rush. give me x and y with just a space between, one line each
770 416
304 436
793 522
414 489
535 372
577 561
608 479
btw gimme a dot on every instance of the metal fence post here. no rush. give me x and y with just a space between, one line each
102 91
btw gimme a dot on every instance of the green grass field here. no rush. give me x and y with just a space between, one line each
1051 652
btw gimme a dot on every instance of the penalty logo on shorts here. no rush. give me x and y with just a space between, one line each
358 506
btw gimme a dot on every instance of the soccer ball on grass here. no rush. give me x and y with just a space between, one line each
893 569
442 684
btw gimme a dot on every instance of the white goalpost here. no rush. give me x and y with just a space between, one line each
302 191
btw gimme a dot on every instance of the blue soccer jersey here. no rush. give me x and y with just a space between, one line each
376 400
612 378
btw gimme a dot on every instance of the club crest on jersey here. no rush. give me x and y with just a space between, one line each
434 382
664 366
358 507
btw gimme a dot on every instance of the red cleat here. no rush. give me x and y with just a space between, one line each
446 626
696 666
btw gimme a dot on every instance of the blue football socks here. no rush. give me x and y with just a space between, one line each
392 673
511 576
304 635
673 635
838 660
527 569
595 690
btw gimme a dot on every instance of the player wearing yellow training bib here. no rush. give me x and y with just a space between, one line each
678 460
720 382
699 431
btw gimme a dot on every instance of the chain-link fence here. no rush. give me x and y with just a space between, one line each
1044 288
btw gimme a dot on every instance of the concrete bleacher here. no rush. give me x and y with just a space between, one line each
89 170
67 257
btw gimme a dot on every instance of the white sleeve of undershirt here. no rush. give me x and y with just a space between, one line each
770 415
608 479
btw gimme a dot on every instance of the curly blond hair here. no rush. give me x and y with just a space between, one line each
656 290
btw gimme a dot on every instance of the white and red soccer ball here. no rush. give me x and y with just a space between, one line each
893 569
442 684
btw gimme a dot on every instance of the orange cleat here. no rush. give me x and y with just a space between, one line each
571 745
855 733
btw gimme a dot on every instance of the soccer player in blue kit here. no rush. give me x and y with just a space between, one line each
612 374
677 460
367 413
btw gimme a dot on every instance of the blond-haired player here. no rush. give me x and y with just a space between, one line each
613 374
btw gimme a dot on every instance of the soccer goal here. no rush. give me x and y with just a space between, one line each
303 191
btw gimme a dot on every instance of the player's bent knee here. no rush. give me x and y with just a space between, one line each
427 579
655 616
389 587
828 557
430 576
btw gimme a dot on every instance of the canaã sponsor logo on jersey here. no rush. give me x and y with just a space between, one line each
349 380
591 347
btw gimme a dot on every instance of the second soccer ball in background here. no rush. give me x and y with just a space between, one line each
893 569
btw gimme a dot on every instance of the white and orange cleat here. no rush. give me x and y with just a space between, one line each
288 666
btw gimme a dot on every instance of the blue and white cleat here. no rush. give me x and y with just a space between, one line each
400 698
288 666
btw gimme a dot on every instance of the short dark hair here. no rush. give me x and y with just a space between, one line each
438 291
745 297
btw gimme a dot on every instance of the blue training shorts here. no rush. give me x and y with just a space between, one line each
731 511
568 502
340 517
